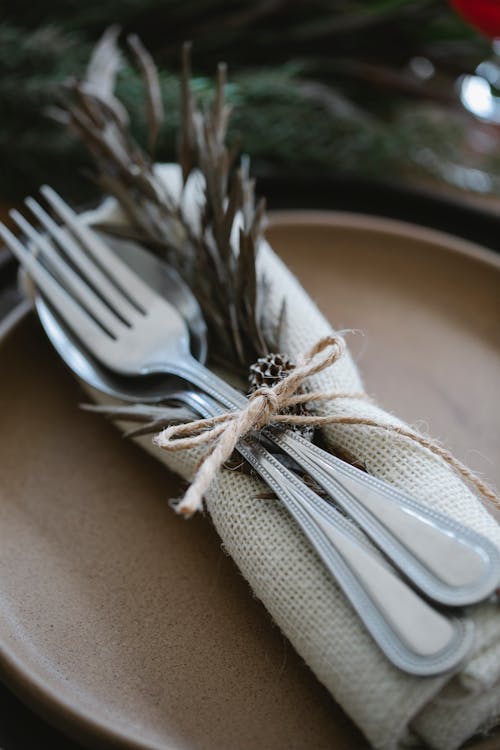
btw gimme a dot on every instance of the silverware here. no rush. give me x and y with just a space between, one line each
415 637
141 333
139 344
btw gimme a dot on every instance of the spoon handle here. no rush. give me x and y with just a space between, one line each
415 637
449 562
452 564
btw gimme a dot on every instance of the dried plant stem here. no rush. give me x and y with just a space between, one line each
218 263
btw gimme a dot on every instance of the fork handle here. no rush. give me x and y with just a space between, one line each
450 563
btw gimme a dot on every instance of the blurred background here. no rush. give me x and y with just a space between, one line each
358 92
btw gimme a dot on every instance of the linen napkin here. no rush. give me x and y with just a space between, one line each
391 708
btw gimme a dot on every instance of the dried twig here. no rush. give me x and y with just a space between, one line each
151 418
152 87
187 143
220 270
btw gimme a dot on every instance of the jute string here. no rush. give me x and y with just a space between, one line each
268 405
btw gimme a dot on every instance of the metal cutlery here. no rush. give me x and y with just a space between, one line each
133 331
138 332
414 636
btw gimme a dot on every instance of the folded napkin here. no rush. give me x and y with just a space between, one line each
392 709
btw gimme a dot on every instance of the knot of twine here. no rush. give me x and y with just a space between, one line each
264 406
268 405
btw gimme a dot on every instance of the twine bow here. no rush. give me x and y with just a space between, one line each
268 405
265 406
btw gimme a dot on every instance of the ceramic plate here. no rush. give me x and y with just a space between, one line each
126 626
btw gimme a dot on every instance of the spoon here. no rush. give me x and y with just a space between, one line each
450 563
415 637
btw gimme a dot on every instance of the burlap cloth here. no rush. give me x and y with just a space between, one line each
392 709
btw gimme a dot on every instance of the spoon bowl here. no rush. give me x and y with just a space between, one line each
167 282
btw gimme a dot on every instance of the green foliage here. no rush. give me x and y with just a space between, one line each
33 67
317 84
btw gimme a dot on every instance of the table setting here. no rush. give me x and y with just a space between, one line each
317 545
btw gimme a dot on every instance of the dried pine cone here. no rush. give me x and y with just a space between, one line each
269 370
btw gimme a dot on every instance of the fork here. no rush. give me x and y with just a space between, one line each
407 630
132 330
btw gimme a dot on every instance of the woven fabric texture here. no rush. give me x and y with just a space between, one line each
392 708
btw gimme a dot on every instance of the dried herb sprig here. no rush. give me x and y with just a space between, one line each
227 281
221 272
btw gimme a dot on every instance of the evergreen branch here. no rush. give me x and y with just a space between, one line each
332 112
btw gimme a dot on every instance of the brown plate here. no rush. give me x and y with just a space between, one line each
124 625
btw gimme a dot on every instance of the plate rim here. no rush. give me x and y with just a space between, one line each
384 225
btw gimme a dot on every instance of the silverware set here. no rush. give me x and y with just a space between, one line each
118 316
